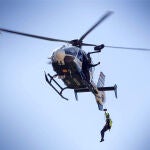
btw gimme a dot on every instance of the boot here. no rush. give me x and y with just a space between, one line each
101 140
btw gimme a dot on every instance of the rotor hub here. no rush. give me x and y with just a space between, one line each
76 42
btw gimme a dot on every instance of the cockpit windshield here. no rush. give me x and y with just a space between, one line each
70 51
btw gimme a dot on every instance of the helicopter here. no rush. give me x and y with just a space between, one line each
74 66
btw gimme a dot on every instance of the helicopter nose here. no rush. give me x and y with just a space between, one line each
60 55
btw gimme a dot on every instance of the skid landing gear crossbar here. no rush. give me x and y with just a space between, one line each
49 80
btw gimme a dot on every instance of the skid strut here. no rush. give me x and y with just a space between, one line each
49 80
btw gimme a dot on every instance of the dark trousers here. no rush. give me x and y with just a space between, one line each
105 128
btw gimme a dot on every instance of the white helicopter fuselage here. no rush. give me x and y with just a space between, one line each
68 64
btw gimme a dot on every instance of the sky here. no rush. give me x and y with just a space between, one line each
33 116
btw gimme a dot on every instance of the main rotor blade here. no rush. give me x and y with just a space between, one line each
96 24
86 44
33 36
128 48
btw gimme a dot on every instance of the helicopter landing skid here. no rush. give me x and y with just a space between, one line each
49 80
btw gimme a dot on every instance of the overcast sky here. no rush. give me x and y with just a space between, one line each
33 116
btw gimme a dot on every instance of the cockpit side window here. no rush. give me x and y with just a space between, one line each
80 56
53 58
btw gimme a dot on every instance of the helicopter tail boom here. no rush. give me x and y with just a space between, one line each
110 88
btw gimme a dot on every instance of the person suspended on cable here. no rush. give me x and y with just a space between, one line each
107 125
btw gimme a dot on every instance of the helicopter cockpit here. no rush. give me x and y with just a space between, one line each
66 54
74 51
81 56
72 56
70 51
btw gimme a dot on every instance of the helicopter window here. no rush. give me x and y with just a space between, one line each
71 51
53 59
80 56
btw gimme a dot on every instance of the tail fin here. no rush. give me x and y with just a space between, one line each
101 94
100 85
101 80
